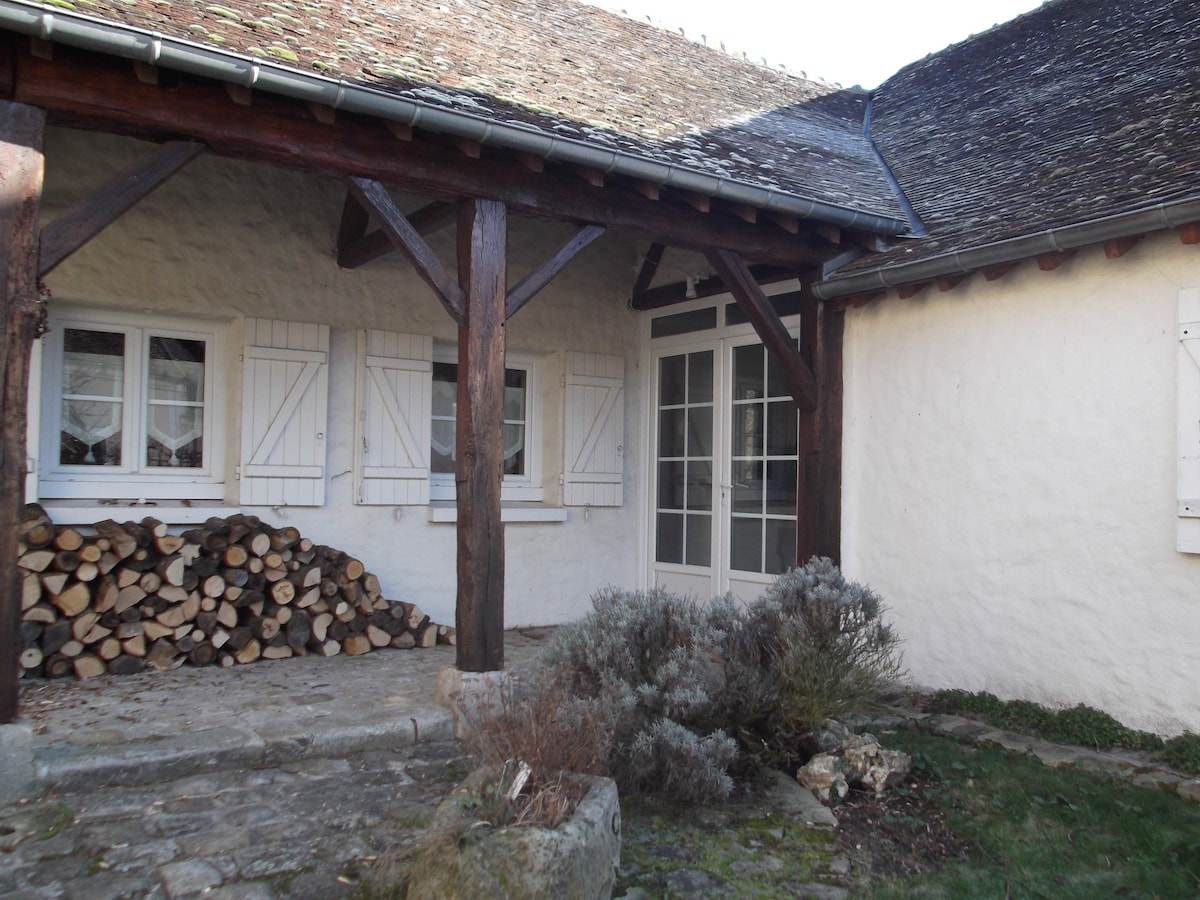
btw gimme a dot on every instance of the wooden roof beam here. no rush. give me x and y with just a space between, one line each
82 89
524 290
905 291
654 255
1190 233
1048 262
1118 247
767 324
357 248
86 219
375 198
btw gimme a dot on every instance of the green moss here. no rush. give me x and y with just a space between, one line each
62 817
224 12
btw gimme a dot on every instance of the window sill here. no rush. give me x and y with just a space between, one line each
447 511
172 512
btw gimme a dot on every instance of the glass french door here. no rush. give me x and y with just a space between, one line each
726 469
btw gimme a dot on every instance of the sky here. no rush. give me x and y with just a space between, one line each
848 43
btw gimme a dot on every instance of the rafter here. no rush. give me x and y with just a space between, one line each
654 254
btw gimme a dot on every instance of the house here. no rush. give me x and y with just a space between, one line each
519 299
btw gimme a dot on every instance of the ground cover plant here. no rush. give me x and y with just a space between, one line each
1080 724
1003 825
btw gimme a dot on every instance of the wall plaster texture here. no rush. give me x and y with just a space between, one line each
1009 483
228 239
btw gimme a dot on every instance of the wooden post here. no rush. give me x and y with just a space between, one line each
479 466
819 504
21 167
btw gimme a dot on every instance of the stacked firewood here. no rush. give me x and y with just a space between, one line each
134 596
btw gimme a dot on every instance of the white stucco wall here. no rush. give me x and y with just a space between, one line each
1009 483
227 239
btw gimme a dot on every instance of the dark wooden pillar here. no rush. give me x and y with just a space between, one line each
479 467
21 166
819 526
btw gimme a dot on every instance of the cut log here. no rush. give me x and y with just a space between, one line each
249 653
67 539
378 637
108 649
219 638
353 569
36 560
277 652
66 560
163 656
169 544
55 635
190 607
150 582
36 529
89 666
83 623
203 654
105 594
263 627
156 630
173 593
87 571
371 585
404 641
130 629
120 542
172 617
171 568
31 590
329 648
52 582
126 665
90 553
447 635
227 614
71 648
40 612
283 592
31 657
96 634
356 645
427 636
73 600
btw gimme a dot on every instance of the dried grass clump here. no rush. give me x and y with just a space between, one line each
552 731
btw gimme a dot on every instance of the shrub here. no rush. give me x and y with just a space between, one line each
694 689
654 660
1183 752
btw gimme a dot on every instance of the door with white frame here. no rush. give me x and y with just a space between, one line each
724 430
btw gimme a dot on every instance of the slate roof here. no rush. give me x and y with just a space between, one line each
560 66
1072 112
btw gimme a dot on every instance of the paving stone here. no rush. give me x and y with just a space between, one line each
189 876
112 886
1189 790
243 890
698 883
135 857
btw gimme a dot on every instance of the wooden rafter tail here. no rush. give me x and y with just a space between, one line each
749 296
998 271
949 282
1118 247
82 222
375 198
353 225
1190 233
907 291
528 286
1048 262
647 189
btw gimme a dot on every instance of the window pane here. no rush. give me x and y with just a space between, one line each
672 380
748 372
514 449
699 484
781 545
781 487
745 545
699 540
514 394
441 459
670 538
175 404
671 485
747 487
700 377
93 384
777 382
670 432
781 428
700 429
747 429
445 388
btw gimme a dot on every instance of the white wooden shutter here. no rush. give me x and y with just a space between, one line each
1187 534
285 379
394 395
594 422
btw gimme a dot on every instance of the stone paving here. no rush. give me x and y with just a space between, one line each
289 778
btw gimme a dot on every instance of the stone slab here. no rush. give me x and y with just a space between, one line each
18 775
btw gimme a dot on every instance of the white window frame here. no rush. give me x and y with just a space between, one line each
515 488
132 479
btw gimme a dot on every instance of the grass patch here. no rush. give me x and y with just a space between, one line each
1082 725
1033 831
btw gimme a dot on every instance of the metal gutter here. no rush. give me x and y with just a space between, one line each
1165 215
87 33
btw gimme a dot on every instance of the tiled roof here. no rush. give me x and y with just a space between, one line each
1075 111
560 66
